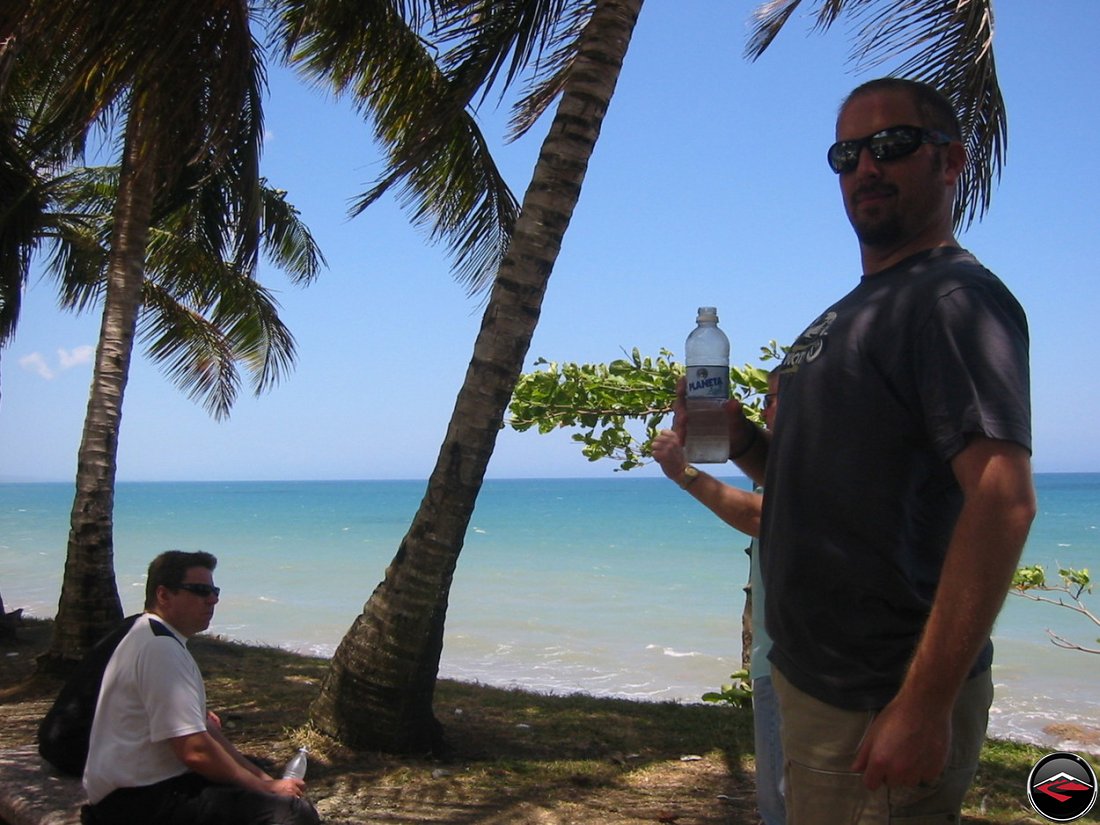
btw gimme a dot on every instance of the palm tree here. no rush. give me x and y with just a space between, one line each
201 316
187 76
378 692
379 689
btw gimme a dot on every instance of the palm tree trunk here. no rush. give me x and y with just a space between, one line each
89 603
379 689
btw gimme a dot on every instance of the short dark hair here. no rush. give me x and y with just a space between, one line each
169 568
938 112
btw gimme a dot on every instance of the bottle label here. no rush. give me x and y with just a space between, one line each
708 382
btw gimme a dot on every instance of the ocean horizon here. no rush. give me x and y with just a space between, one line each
618 587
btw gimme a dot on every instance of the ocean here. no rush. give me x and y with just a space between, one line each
614 587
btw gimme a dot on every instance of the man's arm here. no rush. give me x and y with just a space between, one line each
738 508
908 741
214 728
204 754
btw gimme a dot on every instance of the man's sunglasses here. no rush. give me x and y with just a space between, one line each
889 144
203 591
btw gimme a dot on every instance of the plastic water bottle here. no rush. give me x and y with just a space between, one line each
707 356
296 767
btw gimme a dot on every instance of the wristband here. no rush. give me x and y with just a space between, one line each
753 435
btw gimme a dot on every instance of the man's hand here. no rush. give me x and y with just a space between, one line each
287 787
905 745
668 451
740 427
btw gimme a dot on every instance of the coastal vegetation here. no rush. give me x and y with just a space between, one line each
1068 593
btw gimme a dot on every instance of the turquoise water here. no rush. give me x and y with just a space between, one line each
618 587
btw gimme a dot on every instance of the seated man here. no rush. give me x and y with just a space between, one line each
156 755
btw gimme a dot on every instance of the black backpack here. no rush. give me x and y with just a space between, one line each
66 729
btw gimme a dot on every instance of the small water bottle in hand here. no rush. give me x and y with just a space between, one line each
296 767
707 362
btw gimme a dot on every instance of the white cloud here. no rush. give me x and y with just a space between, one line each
36 363
66 360
75 357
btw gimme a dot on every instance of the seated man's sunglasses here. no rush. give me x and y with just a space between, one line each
203 591
889 144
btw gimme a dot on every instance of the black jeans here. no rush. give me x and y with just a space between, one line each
190 799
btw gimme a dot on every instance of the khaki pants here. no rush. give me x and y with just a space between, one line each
821 741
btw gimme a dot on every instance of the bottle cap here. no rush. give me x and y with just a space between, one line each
707 314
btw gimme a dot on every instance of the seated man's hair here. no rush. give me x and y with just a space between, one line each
170 568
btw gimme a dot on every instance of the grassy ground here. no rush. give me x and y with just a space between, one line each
517 758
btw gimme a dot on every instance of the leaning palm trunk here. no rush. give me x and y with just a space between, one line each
89 602
379 689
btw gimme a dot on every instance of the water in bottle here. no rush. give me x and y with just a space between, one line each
707 357
296 767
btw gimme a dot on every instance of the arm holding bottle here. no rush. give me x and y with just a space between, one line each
738 508
206 754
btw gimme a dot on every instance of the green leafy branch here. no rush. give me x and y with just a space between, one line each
1031 583
737 693
605 401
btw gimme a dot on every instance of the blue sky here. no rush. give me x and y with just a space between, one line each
708 186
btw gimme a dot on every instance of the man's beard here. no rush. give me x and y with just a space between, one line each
879 233
881 227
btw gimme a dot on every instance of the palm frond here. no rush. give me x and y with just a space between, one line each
77 232
454 190
22 207
287 241
200 342
195 355
492 37
436 155
549 75
768 19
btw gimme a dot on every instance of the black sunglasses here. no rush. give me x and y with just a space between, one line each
888 144
203 591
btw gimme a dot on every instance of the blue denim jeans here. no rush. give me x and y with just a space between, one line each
769 752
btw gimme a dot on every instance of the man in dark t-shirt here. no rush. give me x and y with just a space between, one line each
898 486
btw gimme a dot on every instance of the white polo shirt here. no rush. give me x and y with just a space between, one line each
152 691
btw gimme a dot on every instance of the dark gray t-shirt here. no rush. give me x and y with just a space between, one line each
878 395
